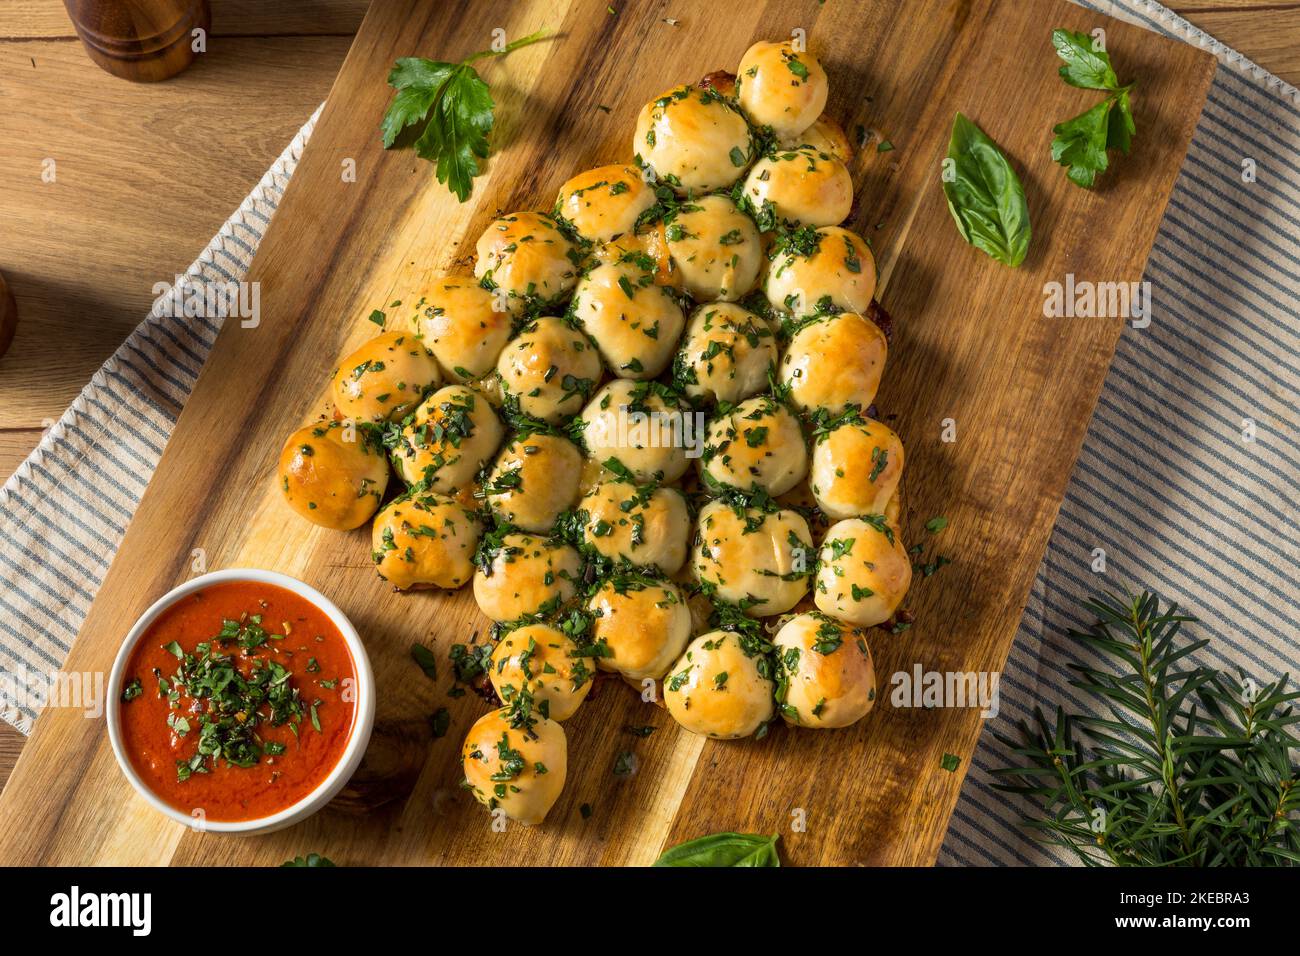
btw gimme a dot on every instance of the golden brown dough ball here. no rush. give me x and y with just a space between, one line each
825 677
550 369
534 480
457 319
645 526
822 269
526 574
642 425
694 139
856 468
519 767
385 378
447 439
758 560
835 362
424 540
545 663
781 87
826 136
333 475
716 248
758 445
802 187
643 622
864 571
719 688
604 203
527 257
633 321
726 355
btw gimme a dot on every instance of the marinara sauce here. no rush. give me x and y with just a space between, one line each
252 722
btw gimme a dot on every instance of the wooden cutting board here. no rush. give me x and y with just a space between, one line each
971 345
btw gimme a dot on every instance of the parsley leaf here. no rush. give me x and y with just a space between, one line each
1085 66
1082 143
449 109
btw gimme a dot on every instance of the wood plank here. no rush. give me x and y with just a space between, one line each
971 345
1268 35
145 175
26 19
15 445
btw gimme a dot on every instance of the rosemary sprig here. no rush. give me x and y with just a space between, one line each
1192 767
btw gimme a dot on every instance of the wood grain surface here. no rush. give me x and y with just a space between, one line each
971 345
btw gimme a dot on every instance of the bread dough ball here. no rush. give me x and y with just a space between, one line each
834 363
644 526
758 560
781 88
458 320
533 481
384 379
826 136
643 622
550 369
716 248
719 688
646 250
526 256
758 445
424 540
726 354
329 480
804 187
526 574
825 678
863 572
634 322
856 468
545 662
520 769
604 203
448 438
694 139
830 268
643 425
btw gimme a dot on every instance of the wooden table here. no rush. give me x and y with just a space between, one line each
132 205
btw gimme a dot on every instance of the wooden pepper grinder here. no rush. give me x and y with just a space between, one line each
8 316
140 40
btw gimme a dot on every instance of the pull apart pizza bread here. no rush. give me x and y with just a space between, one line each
625 428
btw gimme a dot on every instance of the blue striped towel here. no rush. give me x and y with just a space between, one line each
1164 482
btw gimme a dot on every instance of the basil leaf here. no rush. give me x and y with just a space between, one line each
724 849
1085 66
311 859
985 196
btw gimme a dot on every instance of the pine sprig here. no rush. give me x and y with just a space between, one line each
1192 766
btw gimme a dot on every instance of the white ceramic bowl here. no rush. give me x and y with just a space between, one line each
362 725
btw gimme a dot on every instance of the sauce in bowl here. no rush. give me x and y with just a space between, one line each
238 700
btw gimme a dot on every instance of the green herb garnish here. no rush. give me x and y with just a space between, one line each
1081 143
984 195
451 110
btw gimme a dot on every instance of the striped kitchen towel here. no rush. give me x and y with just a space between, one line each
1164 482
